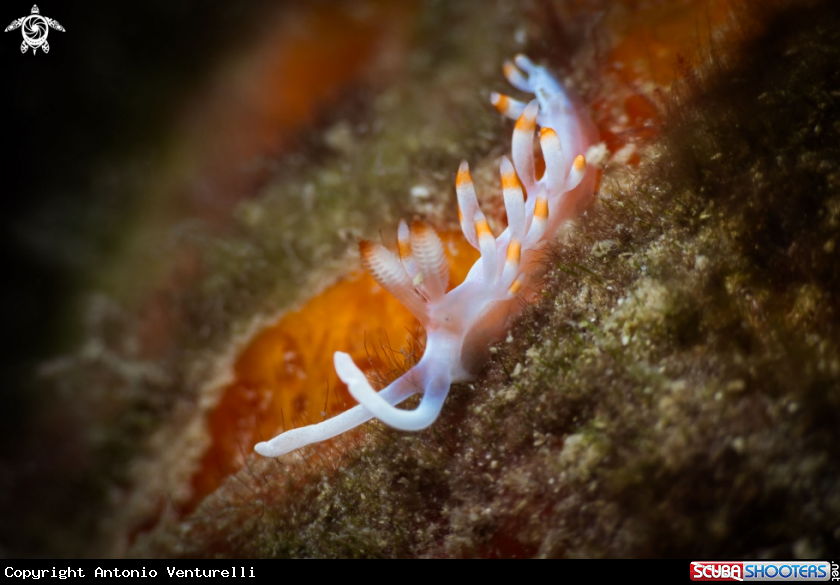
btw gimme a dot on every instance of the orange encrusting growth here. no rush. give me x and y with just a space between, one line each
655 38
285 376
656 44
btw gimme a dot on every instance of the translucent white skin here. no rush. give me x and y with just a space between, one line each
460 324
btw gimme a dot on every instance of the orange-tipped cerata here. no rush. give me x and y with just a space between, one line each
514 250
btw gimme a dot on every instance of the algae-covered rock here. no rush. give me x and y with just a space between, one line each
674 391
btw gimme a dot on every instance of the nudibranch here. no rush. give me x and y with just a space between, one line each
460 324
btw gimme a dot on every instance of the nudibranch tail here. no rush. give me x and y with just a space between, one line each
460 323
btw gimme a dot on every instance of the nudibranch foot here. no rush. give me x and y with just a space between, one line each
461 323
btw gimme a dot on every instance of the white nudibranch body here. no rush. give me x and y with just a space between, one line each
460 324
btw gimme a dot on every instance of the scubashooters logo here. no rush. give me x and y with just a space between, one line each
762 571
35 29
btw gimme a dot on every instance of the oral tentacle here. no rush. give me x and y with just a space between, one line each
525 64
515 77
286 442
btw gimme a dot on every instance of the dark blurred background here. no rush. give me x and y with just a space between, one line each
108 89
